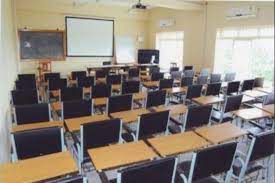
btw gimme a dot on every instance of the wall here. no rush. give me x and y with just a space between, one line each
41 14
8 72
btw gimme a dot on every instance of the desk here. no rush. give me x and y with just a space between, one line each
221 132
264 89
116 87
177 143
251 114
140 96
267 108
145 78
38 169
33 126
120 155
100 101
73 124
247 99
56 106
206 100
150 84
254 93
175 110
130 116
176 90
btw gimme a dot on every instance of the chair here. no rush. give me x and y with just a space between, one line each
261 147
185 68
232 103
205 72
157 171
25 84
202 80
101 73
174 69
85 81
154 69
269 99
24 77
259 82
78 74
166 83
133 73
176 75
57 84
130 87
228 77
76 108
71 93
156 76
155 98
114 79
38 142
119 103
189 73
101 90
215 78
33 113
213 89
247 85
24 97
51 76
204 164
232 88
193 91
186 81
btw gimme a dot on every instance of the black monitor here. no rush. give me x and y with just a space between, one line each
146 56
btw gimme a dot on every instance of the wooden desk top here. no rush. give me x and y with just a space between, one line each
264 89
177 81
87 90
247 98
175 110
120 155
38 169
37 126
254 93
130 116
206 100
73 124
140 96
149 84
267 108
221 132
251 113
145 77
56 106
116 87
177 143
175 90
100 101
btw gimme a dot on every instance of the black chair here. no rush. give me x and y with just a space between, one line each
186 81
76 108
33 113
215 78
213 89
261 147
155 98
130 87
114 79
71 93
25 85
259 82
229 77
51 76
78 74
189 73
101 73
24 77
86 81
247 85
57 84
38 142
174 69
269 99
204 164
176 75
101 90
202 80
233 87
24 97
119 103
156 76
193 91
187 67
133 73
154 69
166 83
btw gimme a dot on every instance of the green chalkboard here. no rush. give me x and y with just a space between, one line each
41 45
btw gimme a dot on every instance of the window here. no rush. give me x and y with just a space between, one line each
170 45
249 52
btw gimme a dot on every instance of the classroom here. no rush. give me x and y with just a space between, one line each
137 91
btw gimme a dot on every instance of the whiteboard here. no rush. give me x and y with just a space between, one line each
87 37
125 49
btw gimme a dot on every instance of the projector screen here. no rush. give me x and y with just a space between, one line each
87 37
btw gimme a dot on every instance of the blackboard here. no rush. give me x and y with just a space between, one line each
41 45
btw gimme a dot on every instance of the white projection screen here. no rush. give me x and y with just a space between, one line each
88 37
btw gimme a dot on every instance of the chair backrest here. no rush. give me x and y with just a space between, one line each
205 72
76 108
71 93
154 69
174 69
193 91
24 77
37 142
233 87
186 81
32 113
52 76
156 76
56 84
213 89
25 84
176 75
100 133
197 116
165 83
269 99
189 73
120 103
188 67
101 90
152 123
205 163
24 97
130 87
133 72
155 98
229 76
114 79
101 73
233 103
78 74
262 145
202 80
162 170
247 84
259 82
215 78
85 81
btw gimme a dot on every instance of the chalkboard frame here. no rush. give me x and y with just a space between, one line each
62 58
